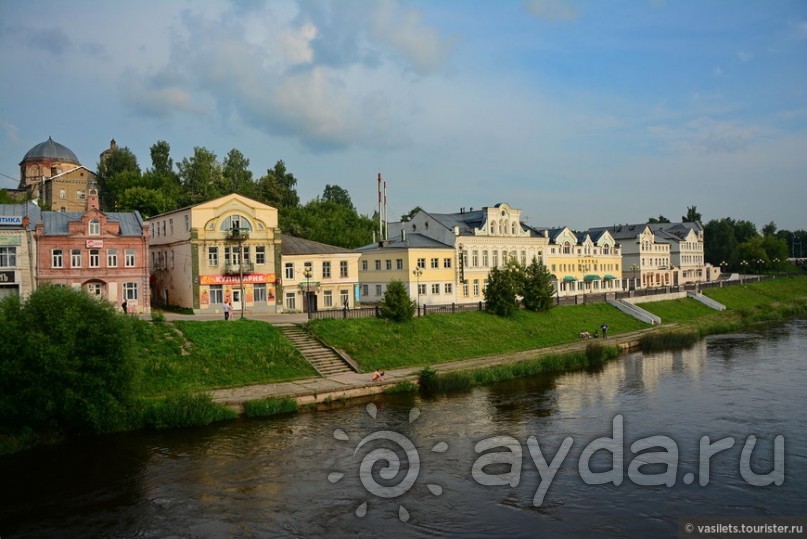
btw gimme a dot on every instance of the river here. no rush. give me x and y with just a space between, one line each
324 473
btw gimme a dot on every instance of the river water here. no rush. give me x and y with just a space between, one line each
328 473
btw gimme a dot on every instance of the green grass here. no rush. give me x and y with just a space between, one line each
380 344
182 410
677 310
271 406
198 356
760 293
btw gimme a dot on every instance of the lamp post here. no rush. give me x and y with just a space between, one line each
417 272
307 275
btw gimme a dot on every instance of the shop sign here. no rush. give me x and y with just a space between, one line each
6 276
95 244
234 279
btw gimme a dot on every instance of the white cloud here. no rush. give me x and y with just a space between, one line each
707 136
10 132
552 10
745 56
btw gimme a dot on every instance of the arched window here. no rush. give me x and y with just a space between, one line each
567 248
235 222
95 227
501 228
493 228
606 249
513 228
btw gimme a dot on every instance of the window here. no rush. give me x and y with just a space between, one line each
435 288
187 223
112 258
8 257
435 263
343 268
389 264
378 290
326 270
130 291
259 293
524 258
422 263
422 289
130 258
212 256
378 265
365 290
289 270
80 195
495 259
95 258
235 222
95 227
94 289
485 258
171 226
465 290
364 265
291 302
474 259
260 254
62 194
344 297
75 258
476 287
216 294
448 288
328 298
399 263
447 263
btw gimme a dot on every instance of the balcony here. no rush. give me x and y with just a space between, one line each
236 269
237 234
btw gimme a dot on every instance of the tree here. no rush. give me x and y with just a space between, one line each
200 176
692 215
117 171
500 294
720 244
397 305
161 162
278 188
148 202
744 231
67 363
538 287
237 176
659 219
769 229
408 217
315 221
337 195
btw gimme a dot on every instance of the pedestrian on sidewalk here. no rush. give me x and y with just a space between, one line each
226 308
604 328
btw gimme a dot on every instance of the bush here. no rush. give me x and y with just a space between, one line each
270 406
67 362
397 305
185 410
503 286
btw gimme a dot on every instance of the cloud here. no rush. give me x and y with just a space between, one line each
745 56
717 71
52 40
707 136
10 132
552 10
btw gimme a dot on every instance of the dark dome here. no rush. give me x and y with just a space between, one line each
50 151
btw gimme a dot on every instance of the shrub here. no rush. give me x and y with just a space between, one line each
503 286
397 305
67 362
185 410
271 406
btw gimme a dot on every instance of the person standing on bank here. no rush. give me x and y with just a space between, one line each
226 308
125 307
604 328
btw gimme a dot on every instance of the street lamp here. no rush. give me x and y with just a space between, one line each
417 272
307 275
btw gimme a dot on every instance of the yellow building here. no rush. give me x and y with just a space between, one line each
317 276
426 266
585 263
226 249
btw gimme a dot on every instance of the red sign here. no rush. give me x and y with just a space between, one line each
234 279
95 244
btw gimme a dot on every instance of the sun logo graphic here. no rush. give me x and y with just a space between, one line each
391 467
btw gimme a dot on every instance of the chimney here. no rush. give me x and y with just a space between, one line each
25 222
403 235
92 200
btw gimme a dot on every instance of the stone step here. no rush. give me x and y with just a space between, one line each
322 358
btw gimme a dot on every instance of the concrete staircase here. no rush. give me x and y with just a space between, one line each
325 359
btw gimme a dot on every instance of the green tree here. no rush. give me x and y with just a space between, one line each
397 305
161 162
278 188
538 287
67 362
408 216
337 195
659 219
692 216
201 177
116 172
769 229
720 245
237 176
149 202
744 231
503 287
328 222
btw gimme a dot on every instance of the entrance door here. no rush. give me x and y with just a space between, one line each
236 300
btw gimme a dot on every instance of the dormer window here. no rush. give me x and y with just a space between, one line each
95 227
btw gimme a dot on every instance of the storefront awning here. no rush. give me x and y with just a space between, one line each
609 277
591 278
569 278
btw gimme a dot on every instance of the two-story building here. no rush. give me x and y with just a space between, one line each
646 263
17 248
103 253
226 249
481 240
426 266
318 276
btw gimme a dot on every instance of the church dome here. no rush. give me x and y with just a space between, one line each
50 151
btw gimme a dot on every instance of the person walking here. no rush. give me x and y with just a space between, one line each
604 328
226 308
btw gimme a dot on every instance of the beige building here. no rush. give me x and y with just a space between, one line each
426 266
18 263
481 240
226 249
686 251
317 276
52 173
584 263
646 263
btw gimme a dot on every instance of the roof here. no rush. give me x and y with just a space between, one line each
292 245
55 222
52 151
621 232
29 209
412 241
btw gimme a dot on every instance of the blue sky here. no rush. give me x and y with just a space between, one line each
580 113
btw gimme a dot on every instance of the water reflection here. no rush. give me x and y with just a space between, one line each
269 478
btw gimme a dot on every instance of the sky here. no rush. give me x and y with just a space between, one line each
580 113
